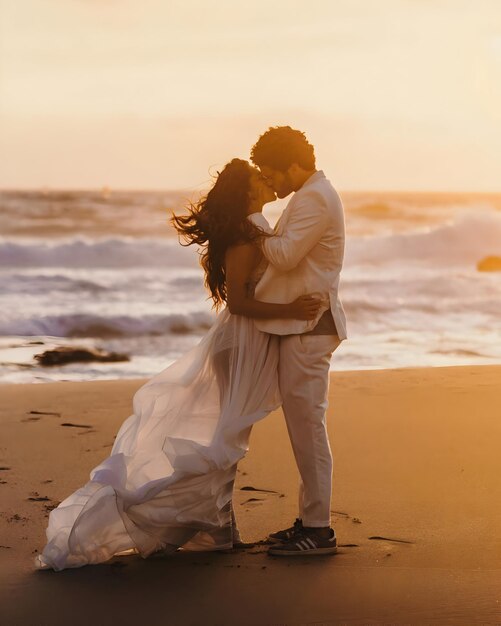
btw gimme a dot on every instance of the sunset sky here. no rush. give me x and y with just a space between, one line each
155 94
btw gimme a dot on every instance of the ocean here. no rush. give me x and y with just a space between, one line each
105 269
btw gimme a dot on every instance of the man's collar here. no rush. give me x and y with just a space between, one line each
313 179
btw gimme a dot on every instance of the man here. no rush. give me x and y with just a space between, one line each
305 256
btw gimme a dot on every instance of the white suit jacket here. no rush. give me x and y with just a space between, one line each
305 255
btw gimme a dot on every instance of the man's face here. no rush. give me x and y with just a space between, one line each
279 181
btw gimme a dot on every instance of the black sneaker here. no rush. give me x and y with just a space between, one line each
306 542
288 533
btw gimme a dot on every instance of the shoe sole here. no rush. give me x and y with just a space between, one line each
314 551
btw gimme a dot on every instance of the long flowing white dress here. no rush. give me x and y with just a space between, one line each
168 481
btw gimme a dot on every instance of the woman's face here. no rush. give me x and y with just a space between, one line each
260 191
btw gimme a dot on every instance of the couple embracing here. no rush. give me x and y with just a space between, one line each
168 482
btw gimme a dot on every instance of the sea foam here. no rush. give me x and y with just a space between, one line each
94 325
463 241
79 252
466 240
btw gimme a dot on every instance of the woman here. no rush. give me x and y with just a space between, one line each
169 478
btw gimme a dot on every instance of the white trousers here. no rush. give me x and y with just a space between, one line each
304 383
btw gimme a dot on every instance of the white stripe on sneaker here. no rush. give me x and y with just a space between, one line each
312 544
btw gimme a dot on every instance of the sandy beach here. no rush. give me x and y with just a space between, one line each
416 507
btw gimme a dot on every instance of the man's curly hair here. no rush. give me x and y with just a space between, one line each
281 146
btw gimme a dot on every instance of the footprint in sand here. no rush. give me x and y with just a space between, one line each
254 500
36 497
249 488
342 513
4 482
17 518
390 539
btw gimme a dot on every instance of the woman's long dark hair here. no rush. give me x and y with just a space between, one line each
218 221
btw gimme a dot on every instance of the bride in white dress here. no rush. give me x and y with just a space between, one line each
168 481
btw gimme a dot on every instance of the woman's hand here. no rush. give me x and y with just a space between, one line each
305 307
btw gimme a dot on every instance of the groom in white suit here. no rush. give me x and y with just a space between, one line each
305 255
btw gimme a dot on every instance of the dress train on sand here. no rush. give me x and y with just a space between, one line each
168 481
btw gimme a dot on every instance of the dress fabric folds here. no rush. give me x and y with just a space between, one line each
168 481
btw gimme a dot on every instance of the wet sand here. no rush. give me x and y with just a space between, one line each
416 507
